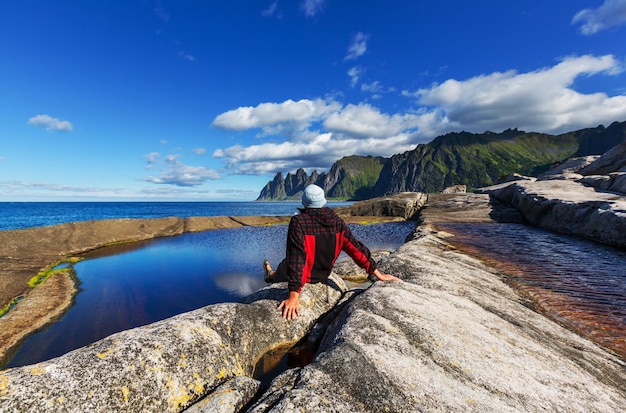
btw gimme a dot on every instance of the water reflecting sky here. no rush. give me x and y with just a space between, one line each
168 276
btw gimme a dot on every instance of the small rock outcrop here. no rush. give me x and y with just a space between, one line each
404 205
569 207
467 207
572 165
612 161
455 189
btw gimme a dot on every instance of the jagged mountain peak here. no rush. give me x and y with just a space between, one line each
351 177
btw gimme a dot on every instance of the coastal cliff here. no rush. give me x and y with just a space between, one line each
452 336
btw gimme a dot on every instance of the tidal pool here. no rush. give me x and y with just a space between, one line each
577 282
136 284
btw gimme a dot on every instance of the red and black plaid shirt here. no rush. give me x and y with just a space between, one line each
315 239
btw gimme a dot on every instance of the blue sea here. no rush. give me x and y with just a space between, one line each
17 215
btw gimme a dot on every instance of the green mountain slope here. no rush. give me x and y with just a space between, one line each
353 177
463 158
474 160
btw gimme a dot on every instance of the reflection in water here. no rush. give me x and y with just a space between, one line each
579 283
240 285
168 276
280 359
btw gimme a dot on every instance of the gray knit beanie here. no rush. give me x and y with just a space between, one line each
313 197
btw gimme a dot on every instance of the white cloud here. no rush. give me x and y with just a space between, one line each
276 118
352 130
272 10
161 12
48 186
355 74
48 190
542 100
292 118
312 7
374 87
178 174
358 47
151 159
199 151
50 124
186 56
364 121
611 13
318 153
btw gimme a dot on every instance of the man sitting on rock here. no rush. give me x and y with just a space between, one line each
315 239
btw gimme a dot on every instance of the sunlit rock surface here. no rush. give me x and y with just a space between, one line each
452 338
613 160
231 396
403 205
168 365
571 208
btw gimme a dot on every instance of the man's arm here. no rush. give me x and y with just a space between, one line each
385 277
291 306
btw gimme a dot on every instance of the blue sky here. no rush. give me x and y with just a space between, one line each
163 100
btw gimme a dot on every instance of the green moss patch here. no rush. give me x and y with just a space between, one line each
11 304
52 269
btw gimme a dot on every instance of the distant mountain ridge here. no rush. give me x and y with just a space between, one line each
458 158
349 177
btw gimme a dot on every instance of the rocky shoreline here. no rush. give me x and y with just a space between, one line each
27 252
453 336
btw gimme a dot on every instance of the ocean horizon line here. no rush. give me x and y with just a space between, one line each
29 214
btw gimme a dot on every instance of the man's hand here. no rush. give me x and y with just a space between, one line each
385 277
291 306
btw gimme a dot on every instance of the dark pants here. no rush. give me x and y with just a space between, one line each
281 273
